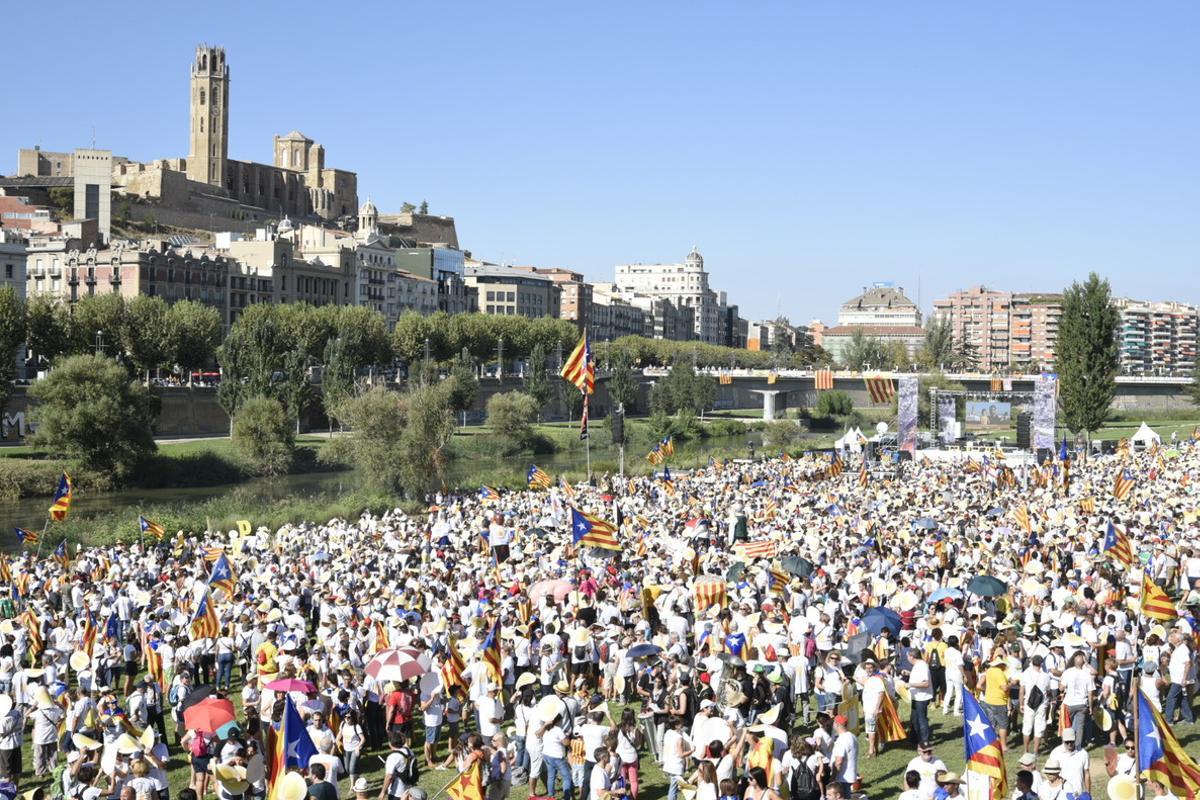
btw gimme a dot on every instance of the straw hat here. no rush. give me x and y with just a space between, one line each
948 777
82 742
292 786
232 778
126 744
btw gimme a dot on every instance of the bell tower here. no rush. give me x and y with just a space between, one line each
209 103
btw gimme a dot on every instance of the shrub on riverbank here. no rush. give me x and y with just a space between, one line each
262 436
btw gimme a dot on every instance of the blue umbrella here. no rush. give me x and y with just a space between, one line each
986 586
945 593
877 620
925 523
644 650
994 512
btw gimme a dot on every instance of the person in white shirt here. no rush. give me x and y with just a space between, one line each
844 755
1073 762
1079 689
926 765
1178 669
1033 720
676 750
952 660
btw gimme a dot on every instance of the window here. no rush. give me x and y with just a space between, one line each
512 297
8 271
201 97
491 295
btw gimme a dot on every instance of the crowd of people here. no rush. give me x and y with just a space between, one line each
762 629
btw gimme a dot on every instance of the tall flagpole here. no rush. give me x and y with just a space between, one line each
587 436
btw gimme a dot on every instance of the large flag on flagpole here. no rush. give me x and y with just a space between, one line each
579 368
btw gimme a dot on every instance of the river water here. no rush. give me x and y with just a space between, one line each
31 512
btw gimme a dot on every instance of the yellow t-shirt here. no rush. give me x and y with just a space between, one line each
940 647
995 690
265 658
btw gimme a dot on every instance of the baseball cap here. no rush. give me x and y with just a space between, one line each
840 719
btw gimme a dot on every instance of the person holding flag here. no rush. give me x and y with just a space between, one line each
985 771
292 749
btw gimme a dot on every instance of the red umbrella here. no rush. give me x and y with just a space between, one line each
209 715
292 685
395 665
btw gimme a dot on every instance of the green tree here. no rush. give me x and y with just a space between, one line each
683 390
88 410
262 436
99 320
49 328
966 356
399 440
62 198
1087 354
862 350
537 382
12 334
781 434
834 404
622 384
424 209
898 356
146 336
409 337
511 416
938 349
462 387
193 335
251 357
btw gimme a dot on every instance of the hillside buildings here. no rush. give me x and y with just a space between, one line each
681 286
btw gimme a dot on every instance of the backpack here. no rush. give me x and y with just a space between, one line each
935 658
409 771
198 746
804 783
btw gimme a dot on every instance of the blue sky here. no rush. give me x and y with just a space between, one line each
807 149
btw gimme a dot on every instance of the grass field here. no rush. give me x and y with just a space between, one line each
882 775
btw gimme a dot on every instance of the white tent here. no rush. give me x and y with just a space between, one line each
1145 436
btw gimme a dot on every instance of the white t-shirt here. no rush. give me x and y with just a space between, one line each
845 747
920 674
1030 678
928 771
872 695
1077 685
553 743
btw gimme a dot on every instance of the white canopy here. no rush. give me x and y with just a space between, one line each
1146 436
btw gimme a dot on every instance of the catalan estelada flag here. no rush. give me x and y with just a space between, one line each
453 668
667 481
1160 755
382 640
469 784
593 531
293 747
60 554
491 655
62 499
1123 484
667 446
488 493
27 537
891 728
151 529
222 576
579 368
709 590
33 624
1116 544
90 631
1155 603
984 757
204 621
656 456
1088 505
1021 517
538 478
154 665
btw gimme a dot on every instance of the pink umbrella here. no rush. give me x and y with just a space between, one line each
292 685
558 588
395 665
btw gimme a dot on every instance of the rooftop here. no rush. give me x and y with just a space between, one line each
880 296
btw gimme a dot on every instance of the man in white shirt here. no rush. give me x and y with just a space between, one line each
1074 763
927 766
920 683
1177 670
844 755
